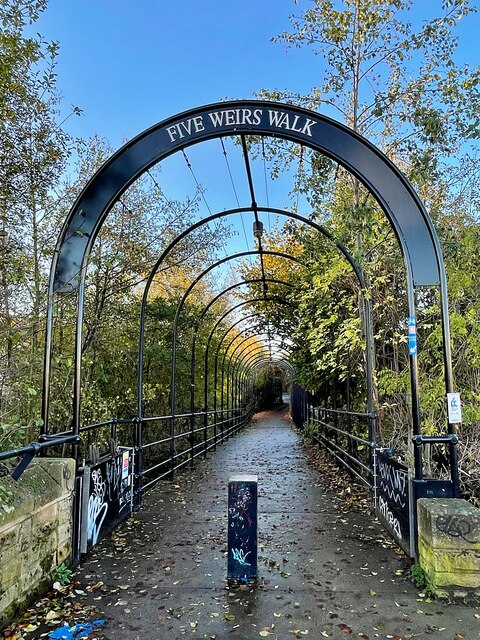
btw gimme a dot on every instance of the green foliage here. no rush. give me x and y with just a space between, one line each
33 154
401 86
417 576
63 574
309 432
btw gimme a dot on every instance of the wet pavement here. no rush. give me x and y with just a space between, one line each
325 570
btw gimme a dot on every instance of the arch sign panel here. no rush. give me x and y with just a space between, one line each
395 195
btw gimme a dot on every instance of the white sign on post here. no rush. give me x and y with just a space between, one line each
125 464
454 408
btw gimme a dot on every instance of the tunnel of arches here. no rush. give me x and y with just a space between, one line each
227 357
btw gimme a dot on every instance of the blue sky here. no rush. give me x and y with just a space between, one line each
131 63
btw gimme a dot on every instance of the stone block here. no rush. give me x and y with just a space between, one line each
64 510
449 522
450 560
61 470
11 573
9 540
8 598
449 545
35 531
44 486
63 552
47 514
15 500
64 533
30 579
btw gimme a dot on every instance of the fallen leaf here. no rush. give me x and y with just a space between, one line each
52 615
345 628
229 616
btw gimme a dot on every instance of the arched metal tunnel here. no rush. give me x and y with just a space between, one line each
236 343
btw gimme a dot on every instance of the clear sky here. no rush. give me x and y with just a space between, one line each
129 64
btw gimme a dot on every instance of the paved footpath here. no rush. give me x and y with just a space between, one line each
324 570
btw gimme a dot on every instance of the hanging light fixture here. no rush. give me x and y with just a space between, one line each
257 229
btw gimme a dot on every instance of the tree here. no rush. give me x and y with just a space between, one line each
399 85
33 151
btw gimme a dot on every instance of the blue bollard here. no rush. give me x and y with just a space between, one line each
242 528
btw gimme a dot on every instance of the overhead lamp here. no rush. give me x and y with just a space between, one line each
257 229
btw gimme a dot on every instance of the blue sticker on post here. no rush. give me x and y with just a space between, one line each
412 337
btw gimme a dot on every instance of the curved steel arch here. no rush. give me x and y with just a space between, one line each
396 196
203 314
234 366
280 363
180 307
403 208
79 325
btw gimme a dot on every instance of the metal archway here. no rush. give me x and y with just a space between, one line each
413 228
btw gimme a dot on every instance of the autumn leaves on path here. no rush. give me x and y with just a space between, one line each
325 569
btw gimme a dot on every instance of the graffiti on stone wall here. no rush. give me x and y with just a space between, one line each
455 527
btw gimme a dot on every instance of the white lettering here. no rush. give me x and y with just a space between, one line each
392 521
235 117
198 124
282 120
277 118
186 127
307 127
231 117
240 117
297 118
246 116
172 132
217 118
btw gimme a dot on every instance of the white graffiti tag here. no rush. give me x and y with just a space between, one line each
390 518
97 507
241 557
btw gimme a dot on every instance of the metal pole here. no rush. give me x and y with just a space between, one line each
447 358
192 394
417 450
47 358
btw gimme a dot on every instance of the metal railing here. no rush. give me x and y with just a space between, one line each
348 436
28 453
165 444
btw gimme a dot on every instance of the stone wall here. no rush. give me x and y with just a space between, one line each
35 531
449 547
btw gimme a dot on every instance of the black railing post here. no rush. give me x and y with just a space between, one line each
137 450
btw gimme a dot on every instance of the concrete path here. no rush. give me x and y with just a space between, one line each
324 570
